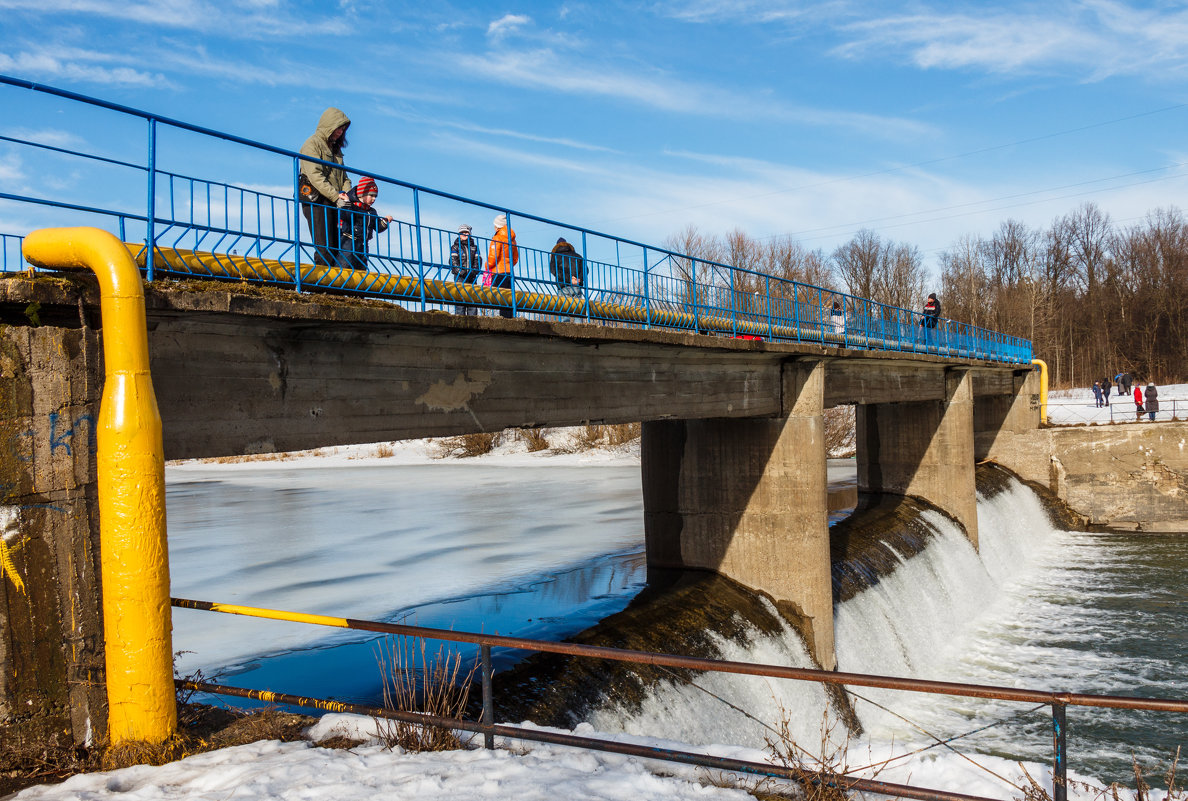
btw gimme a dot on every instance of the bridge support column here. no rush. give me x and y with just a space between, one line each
747 498
925 449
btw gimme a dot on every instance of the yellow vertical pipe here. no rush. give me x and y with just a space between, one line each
1043 368
131 475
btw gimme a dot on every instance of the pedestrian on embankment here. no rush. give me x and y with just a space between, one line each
1097 394
1138 404
1105 390
323 188
1152 401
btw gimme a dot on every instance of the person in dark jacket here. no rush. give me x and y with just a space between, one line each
928 321
568 269
1152 401
357 222
1105 390
466 263
1097 394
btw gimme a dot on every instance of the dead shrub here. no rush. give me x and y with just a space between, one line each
1034 791
840 432
589 436
534 438
623 433
384 452
468 445
823 776
416 681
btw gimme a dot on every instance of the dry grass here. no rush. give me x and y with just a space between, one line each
534 438
416 681
1034 791
468 445
592 436
824 775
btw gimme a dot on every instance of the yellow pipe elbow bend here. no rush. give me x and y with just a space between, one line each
131 477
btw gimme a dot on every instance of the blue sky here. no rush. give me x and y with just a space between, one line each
923 121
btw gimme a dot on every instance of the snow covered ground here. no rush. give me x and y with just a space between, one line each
1076 406
514 770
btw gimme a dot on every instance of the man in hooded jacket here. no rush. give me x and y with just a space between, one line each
322 187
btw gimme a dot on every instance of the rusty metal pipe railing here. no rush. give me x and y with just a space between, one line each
491 730
708 665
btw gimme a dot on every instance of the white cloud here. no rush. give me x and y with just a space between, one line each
79 66
507 24
1098 38
47 136
12 173
545 69
255 19
479 129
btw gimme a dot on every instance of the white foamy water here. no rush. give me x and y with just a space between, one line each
1036 608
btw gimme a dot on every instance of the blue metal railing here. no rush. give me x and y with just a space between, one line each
251 230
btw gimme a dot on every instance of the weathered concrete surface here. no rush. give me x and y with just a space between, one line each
1001 416
924 449
249 369
747 499
51 644
1132 476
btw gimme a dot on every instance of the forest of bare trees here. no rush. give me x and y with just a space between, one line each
1095 298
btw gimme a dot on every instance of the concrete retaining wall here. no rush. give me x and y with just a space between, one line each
51 643
1132 476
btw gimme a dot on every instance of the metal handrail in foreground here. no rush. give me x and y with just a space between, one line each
1059 701
183 214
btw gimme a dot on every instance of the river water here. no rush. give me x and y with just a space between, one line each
546 547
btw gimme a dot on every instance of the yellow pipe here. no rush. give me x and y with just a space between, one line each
1043 367
131 476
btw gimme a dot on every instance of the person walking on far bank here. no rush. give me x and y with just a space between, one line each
1138 404
502 255
322 188
1097 394
1105 390
1152 401
467 263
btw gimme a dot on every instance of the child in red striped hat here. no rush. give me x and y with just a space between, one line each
358 221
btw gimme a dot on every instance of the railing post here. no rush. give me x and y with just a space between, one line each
151 216
1060 757
770 326
586 275
420 258
647 295
511 262
297 223
488 700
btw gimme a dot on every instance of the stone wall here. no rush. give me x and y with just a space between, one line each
51 634
1132 476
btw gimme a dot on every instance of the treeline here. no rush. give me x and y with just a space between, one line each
1095 298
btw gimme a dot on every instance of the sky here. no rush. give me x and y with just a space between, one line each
923 121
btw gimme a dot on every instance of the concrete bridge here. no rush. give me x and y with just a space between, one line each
734 470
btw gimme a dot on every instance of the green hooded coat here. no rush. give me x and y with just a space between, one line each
327 180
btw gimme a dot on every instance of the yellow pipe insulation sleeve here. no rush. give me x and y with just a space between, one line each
131 477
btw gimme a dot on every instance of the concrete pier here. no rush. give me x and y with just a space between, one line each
747 499
925 449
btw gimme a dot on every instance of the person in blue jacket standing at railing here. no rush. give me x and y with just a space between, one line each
568 269
357 222
466 263
322 188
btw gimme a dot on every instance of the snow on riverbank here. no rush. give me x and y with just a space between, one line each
1076 406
